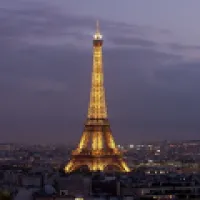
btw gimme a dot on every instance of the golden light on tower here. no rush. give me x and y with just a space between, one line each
97 148
97 107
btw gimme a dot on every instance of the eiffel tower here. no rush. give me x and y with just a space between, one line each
97 149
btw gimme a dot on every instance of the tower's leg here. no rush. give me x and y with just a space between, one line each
70 166
76 164
119 164
124 166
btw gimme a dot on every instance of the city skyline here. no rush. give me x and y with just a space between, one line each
151 70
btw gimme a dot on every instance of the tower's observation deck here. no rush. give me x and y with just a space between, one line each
97 148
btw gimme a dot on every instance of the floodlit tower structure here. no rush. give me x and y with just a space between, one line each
97 149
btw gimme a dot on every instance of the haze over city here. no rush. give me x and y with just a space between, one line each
151 64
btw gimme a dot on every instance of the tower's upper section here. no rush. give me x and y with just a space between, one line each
97 107
97 37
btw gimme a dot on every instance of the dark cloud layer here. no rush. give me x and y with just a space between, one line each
45 71
130 41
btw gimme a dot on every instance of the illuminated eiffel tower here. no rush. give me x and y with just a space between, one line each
97 149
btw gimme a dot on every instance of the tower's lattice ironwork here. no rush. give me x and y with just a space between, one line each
97 149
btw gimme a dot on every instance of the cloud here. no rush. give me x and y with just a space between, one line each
41 24
125 41
184 47
45 74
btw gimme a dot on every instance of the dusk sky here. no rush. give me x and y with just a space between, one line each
151 64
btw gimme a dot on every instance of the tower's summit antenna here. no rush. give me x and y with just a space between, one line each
97 27
97 35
